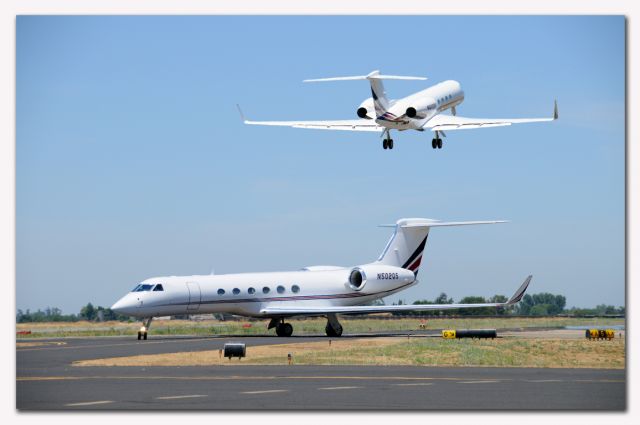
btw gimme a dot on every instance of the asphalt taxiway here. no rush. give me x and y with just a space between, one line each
46 380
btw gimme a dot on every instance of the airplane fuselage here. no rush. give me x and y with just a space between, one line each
248 293
426 104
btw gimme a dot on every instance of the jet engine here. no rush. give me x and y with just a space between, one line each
357 278
366 110
379 276
421 108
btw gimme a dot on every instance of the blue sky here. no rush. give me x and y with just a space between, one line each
132 161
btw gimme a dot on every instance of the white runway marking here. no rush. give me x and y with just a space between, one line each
171 397
477 382
264 392
338 388
89 403
544 380
414 384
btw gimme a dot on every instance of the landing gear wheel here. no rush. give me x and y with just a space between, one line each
284 329
434 144
385 144
287 329
439 143
142 331
390 143
333 332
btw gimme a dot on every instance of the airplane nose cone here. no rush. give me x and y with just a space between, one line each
117 307
123 306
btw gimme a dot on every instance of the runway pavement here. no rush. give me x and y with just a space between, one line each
47 381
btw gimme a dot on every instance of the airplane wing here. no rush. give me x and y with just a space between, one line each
452 122
346 125
296 311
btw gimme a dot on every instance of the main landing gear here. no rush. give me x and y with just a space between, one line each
387 142
142 333
436 142
333 328
282 328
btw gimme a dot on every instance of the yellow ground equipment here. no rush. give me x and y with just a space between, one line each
607 334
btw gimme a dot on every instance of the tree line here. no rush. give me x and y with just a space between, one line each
542 304
54 314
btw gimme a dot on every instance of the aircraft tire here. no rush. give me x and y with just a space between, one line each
139 336
332 332
284 330
433 143
439 143
287 329
390 143
384 144
144 336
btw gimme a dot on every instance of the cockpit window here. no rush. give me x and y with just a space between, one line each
143 287
158 287
136 288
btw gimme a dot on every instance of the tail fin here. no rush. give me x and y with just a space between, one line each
377 88
407 243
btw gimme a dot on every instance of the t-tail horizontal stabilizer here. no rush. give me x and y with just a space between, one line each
375 75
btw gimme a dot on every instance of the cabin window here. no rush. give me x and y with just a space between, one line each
220 291
235 291
251 291
266 290
280 289
158 287
295 289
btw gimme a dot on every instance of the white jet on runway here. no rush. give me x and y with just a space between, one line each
313 291
420 111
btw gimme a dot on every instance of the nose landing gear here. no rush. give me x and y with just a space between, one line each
142 333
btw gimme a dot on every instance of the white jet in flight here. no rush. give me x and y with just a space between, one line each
312 291
420 111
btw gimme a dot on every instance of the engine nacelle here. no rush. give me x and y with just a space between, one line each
366 110
421 108
378 277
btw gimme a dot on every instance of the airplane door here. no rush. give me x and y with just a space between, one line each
195 296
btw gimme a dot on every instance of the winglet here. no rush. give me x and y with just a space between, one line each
520 292
555 109
244 120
